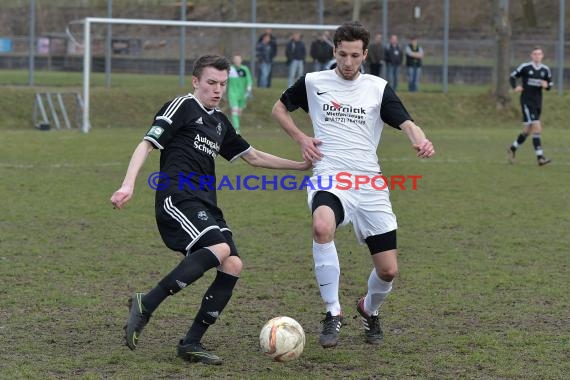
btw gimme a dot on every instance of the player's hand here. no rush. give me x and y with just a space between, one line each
310 150
544 83
518 89
424 149
121 196
305 165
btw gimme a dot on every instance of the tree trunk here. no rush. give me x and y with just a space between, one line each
356 10
529 14
502 59
228 12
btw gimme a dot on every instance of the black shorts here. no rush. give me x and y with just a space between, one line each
530 111
325 198
186 225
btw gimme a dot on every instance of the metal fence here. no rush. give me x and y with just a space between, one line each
469 61
145 49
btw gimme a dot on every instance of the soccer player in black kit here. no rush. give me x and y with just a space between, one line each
190 132
535 77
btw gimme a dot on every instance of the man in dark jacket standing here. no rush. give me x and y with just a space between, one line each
273 54
263 51
376 55
322 52
414 57
296 54
393 56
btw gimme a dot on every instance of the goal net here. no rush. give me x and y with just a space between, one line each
245 34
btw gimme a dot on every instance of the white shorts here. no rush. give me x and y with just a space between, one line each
368 209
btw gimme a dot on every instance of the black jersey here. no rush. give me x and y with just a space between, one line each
532 77
190 137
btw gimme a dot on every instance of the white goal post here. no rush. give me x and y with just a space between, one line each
125 21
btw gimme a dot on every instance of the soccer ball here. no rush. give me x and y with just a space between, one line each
282 339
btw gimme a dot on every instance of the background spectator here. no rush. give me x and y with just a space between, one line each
414 56
376 55
273 44
393 57
296 54
321 52
265 60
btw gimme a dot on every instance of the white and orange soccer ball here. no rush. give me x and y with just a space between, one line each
282 339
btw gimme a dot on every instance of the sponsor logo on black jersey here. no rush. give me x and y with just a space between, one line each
204 144
155 131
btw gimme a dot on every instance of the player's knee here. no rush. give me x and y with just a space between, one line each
221 250
388 273
232 265
328 213
323 230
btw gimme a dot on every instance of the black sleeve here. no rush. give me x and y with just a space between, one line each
513 78
233 145
166 122
549 79
392 111
296 96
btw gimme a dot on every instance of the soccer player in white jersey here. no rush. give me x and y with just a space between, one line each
535 77
348 110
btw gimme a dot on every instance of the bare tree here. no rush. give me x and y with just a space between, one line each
228 12
502 25
529 14
356 10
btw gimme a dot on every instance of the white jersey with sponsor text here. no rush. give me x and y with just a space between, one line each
346 118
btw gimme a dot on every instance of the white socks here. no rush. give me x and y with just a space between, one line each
378 290
327 272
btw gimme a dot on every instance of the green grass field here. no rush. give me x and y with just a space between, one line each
483 288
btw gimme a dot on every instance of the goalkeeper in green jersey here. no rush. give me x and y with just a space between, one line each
239 89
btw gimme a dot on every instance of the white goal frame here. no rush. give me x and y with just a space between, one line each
85 125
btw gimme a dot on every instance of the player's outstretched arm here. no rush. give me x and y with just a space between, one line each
309 145
420 143
125 192
262 159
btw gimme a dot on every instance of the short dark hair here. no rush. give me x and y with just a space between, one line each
210 60
352 31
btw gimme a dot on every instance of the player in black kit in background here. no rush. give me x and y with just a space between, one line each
190 132
535 77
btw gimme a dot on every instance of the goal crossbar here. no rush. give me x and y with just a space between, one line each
127 21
